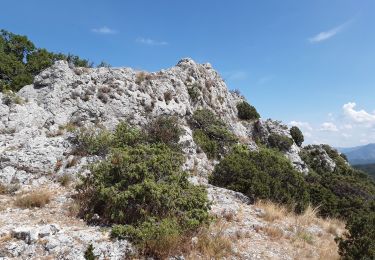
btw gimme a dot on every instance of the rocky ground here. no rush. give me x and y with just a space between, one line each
253 231
36 126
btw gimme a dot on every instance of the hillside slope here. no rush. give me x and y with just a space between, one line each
38 125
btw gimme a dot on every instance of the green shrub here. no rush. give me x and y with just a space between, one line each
210 147
280 142
194 92
297 135
20 61
341 193
247 111
155 238
89 253
91 142
359 240
125 135
211 133
266 174
141 189
165 129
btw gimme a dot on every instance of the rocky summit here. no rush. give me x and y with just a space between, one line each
37 126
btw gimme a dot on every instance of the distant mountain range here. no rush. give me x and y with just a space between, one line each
360 155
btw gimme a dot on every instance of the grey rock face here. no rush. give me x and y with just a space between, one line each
321 157
264 129
32 144
35 146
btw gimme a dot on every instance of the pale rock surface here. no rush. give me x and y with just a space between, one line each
35 147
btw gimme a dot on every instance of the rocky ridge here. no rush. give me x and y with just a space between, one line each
35 142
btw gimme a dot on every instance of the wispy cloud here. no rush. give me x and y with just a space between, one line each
147 41
358 116
328 127
304 126
326 35
104 30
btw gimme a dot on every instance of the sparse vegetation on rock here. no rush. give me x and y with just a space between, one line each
141 189
261 175
247 111
297 135
211 133
281 142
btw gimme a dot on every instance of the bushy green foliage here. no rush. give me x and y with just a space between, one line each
141 189
297 135
247 111
266 174
194 92
344 193
20 60
280 142
341 193
165 129
89 253
368 168
359 241
211 133
92 142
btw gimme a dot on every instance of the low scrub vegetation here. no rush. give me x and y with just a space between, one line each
20 61
281 142
297 135
194 92
359 241
211 134
247 111
141 190
345 193
261 175
33 199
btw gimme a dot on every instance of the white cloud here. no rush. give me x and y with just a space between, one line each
326 35
358 116
303 125
103 30
347 126
328 127
151 42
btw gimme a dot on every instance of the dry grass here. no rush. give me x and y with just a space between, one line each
65 180
328 250
308 217
69 127
272 211
228 215
166 246
9 189
33 199
212 243
273 232
58 165
5 238
333 226
140 77
72 162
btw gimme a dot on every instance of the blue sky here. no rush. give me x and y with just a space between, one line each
302 62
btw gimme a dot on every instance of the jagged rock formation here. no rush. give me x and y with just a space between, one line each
35 146
60 95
